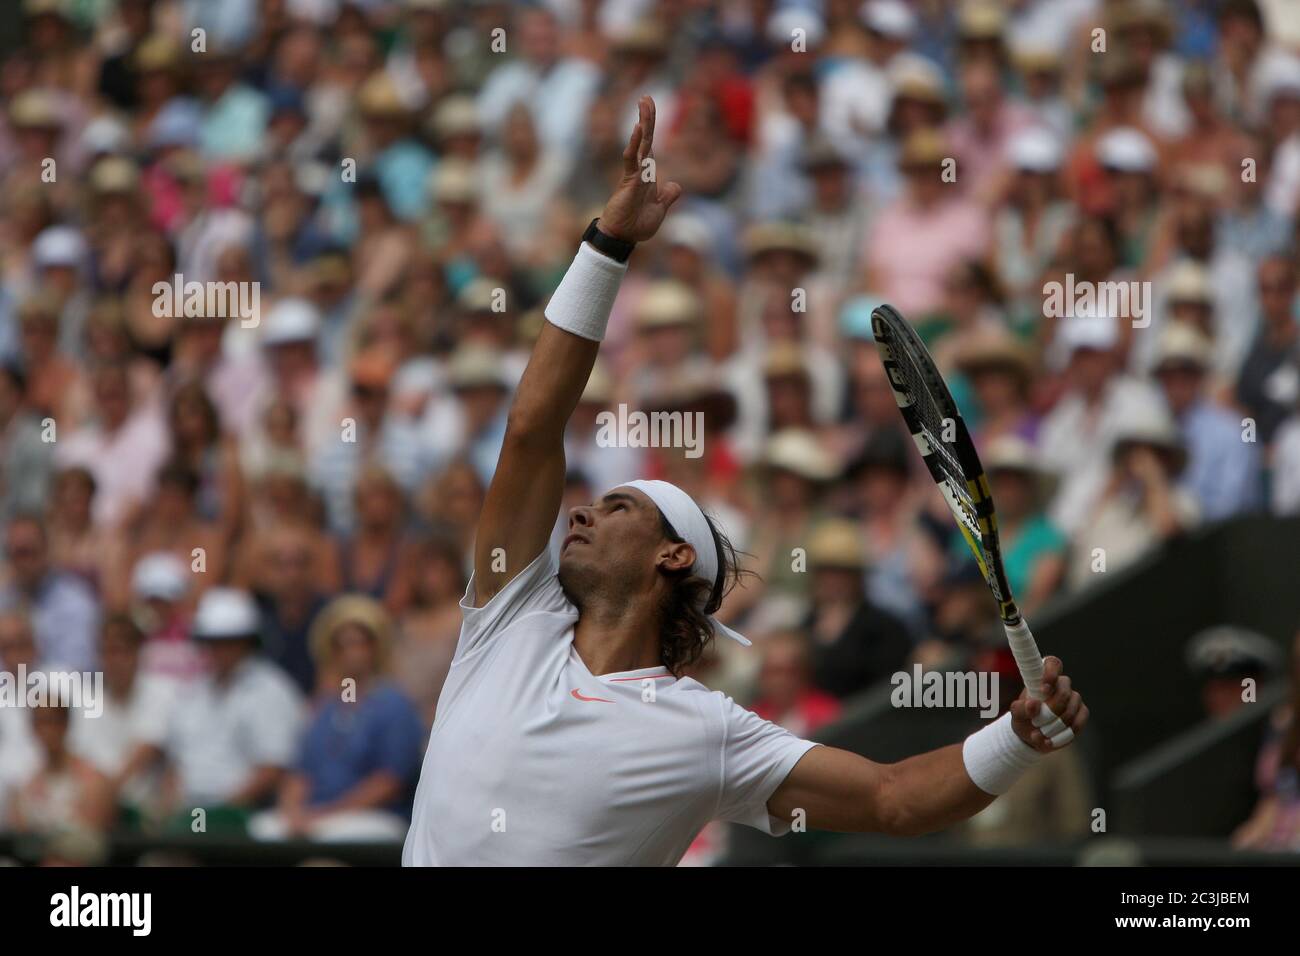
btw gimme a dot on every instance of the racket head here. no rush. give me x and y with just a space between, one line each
941 436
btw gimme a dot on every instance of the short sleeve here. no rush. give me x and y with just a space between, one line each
757 757
534 589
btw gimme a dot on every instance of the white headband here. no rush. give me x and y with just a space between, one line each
688 521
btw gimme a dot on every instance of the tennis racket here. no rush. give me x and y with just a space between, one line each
945 444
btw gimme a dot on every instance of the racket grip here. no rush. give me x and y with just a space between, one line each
1030 662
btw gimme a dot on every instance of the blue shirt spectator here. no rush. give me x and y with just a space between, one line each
64 611
347 742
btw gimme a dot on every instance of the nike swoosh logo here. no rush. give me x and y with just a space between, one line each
577 696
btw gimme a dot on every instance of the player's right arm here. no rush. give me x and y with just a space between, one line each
528 484
838 790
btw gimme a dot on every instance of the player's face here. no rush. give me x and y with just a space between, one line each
613 546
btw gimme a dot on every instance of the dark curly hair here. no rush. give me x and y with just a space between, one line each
684 630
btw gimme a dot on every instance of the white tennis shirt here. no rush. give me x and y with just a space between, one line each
535 761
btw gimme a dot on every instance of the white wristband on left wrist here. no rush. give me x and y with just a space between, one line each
586 294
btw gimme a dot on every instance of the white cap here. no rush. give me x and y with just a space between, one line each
418 378
291 320
892 18
782 24
160 575
1127 150
1148 425
1035 150
59 246
1095 330
683 229
226 613
105 134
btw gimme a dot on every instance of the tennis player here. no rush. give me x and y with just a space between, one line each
565 733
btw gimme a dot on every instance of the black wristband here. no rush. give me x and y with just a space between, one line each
617 249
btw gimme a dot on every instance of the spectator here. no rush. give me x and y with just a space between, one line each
855 644
426 637
1000 373
1033 549
122 449
124 739
376 560
1140 505
24 455
1099 399
66 792
64 611
213 457
355 774
235 730
905 559
786 694
161 605
19 750
290 596
1222 466
1269 383
1274 823
1224 658
920 236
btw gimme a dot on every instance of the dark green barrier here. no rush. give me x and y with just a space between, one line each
1168 791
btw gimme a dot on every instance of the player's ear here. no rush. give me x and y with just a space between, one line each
675 556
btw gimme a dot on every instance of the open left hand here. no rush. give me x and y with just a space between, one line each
1063 700
637 209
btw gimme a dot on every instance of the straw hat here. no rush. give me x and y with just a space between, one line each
1151 426
379 98
1010 453
473 366
453 180
923 149
667 303
1189 282
35 109
357 609
797 451
1183 344
996 351
765 237
837 543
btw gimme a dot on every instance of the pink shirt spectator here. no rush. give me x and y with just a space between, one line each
123 462
982 153
910 250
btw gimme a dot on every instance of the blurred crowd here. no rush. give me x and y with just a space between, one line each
233 516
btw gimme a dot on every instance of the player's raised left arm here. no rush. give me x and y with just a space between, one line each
839 790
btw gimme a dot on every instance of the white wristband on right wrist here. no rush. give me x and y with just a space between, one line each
995 757
586 294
